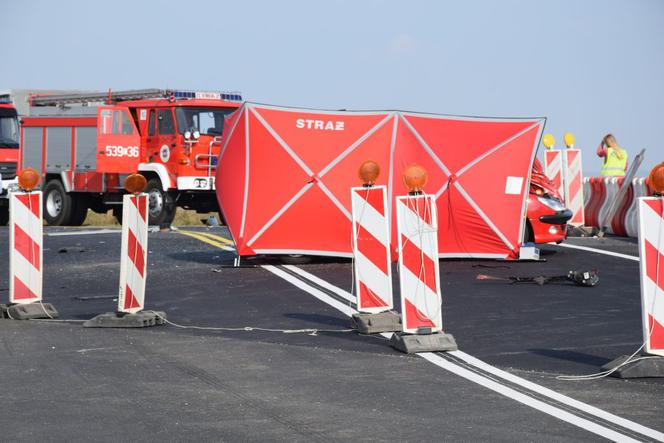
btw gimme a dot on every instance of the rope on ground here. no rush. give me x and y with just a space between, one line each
310 331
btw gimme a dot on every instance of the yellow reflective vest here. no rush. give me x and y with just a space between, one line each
613 165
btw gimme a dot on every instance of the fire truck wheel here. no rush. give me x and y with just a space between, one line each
117 213
162 206
58 204
4 215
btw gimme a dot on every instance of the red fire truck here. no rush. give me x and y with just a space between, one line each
9 138
85 144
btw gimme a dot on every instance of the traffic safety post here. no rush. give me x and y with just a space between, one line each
553 163
371 251
651 251
573 182
419 277
26 252
133 264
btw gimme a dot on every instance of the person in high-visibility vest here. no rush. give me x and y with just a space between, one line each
615 157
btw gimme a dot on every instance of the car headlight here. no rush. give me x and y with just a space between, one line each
552 203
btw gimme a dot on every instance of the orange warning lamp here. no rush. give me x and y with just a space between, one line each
369 172
135 183
569 140
656 179
415 177
28 179
548 140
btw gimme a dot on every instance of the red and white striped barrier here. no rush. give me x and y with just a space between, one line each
651 248
25 244
417 229
553 168
573 185
133 265
600 193
371 249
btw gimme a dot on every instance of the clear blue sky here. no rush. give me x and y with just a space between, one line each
589 66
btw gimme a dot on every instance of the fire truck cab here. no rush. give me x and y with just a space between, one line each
84 145
9 143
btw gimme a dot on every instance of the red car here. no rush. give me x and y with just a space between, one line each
547 215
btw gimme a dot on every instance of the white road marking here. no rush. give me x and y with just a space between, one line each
484 381
91 232
599 251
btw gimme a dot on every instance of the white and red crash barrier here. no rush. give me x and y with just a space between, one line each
601 192
573 185
371 249
417 229
553 168
651 248
25 244
133 265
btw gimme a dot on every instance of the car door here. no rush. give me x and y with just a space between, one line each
118 141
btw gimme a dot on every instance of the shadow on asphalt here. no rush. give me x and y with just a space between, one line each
573 356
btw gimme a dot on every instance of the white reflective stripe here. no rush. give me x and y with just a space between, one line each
133 220
426 147
534 403
599 251
553 411
26 220
322 283
246 172
84 232
442 189
654 299
652 225
481 213
390 177
230 135
599 413
421 234
334 200
28 275
283 144
311 290
370 219
373 278
276 216
495 148
421 296
352 147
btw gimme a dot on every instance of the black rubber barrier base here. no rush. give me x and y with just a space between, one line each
388 321
641 366
412 343
143 319
28 311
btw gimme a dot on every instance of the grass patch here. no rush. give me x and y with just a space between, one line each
182 218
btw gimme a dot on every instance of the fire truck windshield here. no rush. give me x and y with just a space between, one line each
8 129
207 121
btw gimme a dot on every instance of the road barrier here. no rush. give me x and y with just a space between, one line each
417 229
573 185
553 168
371 249
133 264
26 238
651 251
600 192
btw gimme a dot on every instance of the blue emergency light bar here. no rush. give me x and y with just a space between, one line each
231 96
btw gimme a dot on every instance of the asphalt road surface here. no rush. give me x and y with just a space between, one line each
63 382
